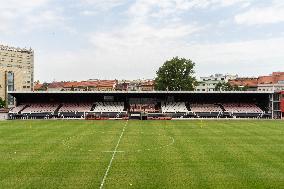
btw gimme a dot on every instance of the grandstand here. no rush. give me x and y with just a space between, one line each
40 108
75 107
142 105
243 109
174 107
206 110
148 108
73 110
109 107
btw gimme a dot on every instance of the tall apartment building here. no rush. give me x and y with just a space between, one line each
16 71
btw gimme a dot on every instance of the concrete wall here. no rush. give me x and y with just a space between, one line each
3 116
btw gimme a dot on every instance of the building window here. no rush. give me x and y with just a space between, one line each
10 86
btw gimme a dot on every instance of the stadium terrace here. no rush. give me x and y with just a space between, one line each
147 105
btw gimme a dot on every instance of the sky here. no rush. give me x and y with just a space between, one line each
131 39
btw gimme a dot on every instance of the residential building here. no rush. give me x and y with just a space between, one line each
123 85
208 84
16 71
90 85
147 85
273 82
249 83
54 86
106 85
134 85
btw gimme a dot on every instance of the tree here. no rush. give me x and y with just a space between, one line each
224 87
176 75
2 103
228 87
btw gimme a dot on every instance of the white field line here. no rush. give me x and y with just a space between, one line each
112 158
113 151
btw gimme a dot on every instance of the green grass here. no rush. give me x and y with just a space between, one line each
157 154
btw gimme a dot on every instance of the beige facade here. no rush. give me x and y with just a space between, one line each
16 70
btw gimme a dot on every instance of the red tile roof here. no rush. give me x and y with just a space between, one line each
99 83
272 79
71 84
277 73
250 82
107 83
38 86
56 85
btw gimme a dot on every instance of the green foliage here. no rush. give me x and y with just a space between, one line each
2 103
228 87
176 75
44 87
223 87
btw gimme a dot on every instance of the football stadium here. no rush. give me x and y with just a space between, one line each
136 139
141 94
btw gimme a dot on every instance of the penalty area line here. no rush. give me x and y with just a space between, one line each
113 155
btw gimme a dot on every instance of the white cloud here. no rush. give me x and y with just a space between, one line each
171 10
262 15
93 7
21 6
22 16
103 4
225 3
10 11
141 35
43 19
151 32
142 60
171 6
138 48
88 13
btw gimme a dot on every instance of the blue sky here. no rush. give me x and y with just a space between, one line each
129 39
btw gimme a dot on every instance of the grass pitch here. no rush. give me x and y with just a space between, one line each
149 154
